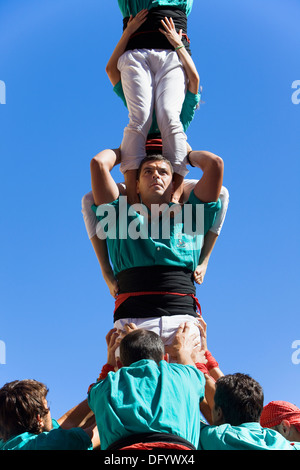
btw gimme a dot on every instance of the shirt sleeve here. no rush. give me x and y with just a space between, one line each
189 107
89 216
220 217
210 210
118 89
60 439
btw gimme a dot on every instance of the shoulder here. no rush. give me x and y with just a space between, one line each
208 206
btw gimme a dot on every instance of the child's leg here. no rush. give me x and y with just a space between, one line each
137 81
170 94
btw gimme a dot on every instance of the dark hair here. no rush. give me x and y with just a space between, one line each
141 344
240 397
20 403
153 158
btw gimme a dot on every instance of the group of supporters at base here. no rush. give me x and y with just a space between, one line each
142 401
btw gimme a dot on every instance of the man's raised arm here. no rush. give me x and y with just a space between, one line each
104 187
209 186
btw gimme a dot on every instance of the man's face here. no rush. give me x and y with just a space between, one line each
217 415
155 182
46 422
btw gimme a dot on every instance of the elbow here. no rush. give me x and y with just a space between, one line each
216 164
217 171
108 69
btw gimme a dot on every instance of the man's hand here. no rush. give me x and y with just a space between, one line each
198 354
199 273
181 349
112 341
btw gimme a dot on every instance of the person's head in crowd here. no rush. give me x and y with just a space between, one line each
238 399
284 417
141 344
24 408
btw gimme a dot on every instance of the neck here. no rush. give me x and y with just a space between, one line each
157 200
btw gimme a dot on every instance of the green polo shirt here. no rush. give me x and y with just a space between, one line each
146 397
56 439
187 114
135 240
132 7
247 436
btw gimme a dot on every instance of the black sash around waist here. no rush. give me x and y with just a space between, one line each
170 279
148 35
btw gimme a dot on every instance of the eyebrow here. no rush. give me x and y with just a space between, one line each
153 168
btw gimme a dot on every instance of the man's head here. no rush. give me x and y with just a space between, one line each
155 179
141 344
238 399
284 417
23 408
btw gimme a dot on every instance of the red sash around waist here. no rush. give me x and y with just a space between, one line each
122 297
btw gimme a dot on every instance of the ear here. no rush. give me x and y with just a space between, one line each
137 186
285 428
40 421
219 413
218 417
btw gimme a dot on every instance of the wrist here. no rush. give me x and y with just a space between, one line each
211 362
179 47
184 357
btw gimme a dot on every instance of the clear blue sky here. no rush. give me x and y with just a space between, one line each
60 111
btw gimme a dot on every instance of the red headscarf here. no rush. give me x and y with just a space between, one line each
276 411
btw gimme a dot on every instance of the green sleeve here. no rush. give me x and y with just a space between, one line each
210 210
189 107
118 89
60 439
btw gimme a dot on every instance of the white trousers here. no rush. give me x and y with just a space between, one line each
153 79
166 327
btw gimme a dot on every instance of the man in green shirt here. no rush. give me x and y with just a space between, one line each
26 423
284 417
148 400
238 403
155 271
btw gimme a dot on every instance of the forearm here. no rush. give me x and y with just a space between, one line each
190 69
132 26
101 251
112 65
76 416
210 389
209 243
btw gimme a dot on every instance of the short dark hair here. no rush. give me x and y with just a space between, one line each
153 158
141 344
240 397
21 401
